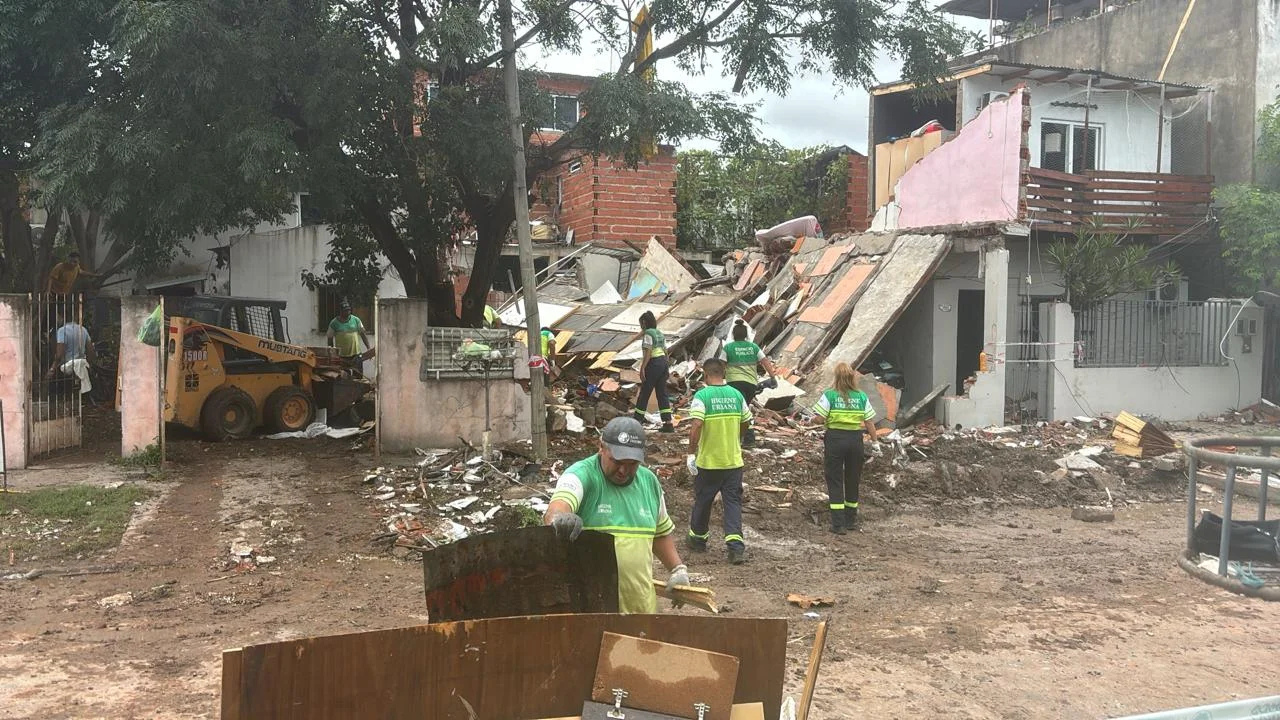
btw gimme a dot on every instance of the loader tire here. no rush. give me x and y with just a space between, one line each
289 409
228 414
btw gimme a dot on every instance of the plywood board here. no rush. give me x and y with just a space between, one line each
903 272
548 314
629 319
516 667
663 677
528 571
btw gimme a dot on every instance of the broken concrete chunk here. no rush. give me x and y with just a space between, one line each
1093 513
1077 462
1167 463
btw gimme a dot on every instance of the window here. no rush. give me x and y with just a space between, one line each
309 210
564 112
327 301
1068 147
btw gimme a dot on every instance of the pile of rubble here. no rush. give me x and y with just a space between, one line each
448 495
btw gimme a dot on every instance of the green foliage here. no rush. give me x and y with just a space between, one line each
1249 215
1098 265
723 198
149 457
83 519
207 115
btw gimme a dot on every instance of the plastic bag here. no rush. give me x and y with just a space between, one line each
149 333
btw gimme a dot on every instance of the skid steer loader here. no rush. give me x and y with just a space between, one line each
226 383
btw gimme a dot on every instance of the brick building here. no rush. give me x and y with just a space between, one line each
600 199
856 216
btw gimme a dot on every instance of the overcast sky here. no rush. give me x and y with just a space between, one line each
815 112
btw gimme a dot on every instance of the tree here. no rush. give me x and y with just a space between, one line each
389 112
722 198
1098 265
1249 218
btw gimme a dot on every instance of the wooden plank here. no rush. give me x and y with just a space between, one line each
1071 229
516 667
232 667
663 677
1123 448
1133 422
704 598
1126 174
811 673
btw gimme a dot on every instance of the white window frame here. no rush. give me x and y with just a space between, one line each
1072 126
577 114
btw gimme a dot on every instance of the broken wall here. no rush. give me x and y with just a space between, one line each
418 412
15 376
139 381
605 202
975 177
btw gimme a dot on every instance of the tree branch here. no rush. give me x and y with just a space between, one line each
527 36
685 41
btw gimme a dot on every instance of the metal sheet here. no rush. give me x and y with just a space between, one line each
629 319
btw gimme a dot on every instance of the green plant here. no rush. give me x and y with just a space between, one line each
55 522
1098 264
1249 215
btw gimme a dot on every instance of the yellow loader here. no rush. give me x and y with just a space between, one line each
226 383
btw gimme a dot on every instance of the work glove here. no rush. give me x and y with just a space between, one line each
679 578
690 461
769 384
568 526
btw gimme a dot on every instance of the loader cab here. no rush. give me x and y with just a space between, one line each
256 316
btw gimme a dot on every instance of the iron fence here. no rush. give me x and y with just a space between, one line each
1147 333
447 354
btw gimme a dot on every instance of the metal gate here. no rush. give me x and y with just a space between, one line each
59 378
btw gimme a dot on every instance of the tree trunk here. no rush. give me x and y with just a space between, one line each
493 222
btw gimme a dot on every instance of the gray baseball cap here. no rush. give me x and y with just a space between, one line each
624 436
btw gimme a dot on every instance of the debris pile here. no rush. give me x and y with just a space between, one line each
446 496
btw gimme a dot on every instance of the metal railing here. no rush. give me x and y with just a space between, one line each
1146 333
444 355
1199 454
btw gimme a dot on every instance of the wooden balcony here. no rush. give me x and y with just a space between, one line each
1131 203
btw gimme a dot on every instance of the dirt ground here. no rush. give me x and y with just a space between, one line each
971 592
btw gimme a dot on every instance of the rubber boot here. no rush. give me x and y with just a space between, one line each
852 521
837 521
737 554
667 427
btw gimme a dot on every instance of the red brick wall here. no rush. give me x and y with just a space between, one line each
607 202
856 217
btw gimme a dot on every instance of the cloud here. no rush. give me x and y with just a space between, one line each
816 110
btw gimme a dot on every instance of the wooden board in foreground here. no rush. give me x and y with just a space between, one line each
704 598
515 667
741 711
665 678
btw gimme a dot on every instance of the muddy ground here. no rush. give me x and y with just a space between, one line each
971 593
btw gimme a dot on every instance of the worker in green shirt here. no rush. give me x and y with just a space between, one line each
345 333
718 415
743 358
654 371
491 317
846 413
612 492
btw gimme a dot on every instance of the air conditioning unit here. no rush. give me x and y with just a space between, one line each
987 98
1169 292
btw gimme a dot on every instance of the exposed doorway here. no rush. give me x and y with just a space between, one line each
969 311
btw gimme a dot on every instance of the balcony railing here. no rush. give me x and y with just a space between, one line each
1127 202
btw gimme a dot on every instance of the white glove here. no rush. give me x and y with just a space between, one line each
691 463
568 526
679 577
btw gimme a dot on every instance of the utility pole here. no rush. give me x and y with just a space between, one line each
511 76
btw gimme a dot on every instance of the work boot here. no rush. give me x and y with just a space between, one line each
695 544
667 427
851 519
837 521
737 554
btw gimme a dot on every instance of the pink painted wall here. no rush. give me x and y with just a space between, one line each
139 379
975 177
15 337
